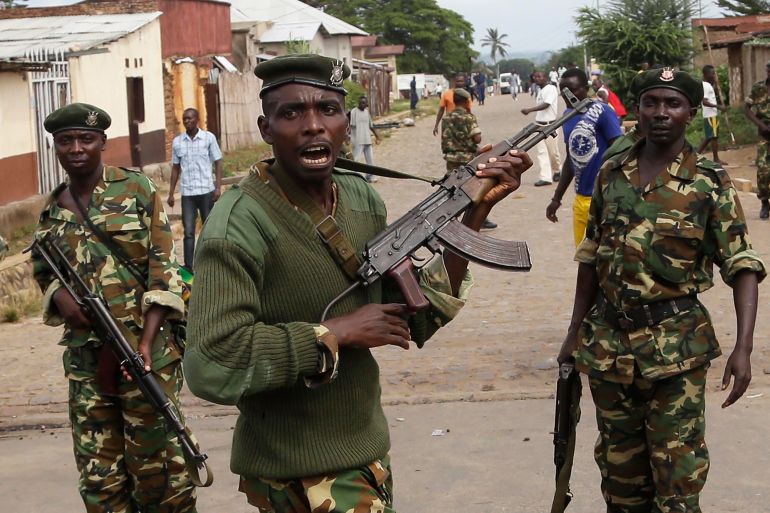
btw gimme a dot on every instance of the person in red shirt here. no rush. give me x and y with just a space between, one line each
606 95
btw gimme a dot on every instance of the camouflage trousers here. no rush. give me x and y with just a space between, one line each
651 450
366 489
128 461
763 170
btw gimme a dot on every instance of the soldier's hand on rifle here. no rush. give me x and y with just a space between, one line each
70 310
372 325
507 171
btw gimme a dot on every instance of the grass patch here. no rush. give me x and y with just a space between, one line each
20 238
239 161
27 307
744 130
425 106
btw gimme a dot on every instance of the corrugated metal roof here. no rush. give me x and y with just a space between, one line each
289 11
282 32
66 33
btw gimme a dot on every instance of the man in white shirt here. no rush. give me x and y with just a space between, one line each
710 113
553 76
192 154
361 131
546 151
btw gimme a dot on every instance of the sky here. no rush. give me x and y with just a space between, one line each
532 25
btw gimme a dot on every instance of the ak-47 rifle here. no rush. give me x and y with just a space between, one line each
568 390
433 223
105 326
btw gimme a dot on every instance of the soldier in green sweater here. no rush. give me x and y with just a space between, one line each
311 435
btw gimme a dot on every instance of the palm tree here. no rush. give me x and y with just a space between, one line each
497 47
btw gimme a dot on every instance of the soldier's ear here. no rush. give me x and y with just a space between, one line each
264 129
104 141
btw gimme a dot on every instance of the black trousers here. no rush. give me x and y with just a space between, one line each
191 207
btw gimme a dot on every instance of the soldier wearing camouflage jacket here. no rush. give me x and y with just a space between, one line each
661 216
460 133
757 109
127 459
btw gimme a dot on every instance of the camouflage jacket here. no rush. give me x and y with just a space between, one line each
657 243
128 208
457 131
759 100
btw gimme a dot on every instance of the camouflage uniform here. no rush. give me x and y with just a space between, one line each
759 101
457 131
366 489
127 459
652 244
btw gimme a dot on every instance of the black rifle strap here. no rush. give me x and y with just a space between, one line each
113 246
360 167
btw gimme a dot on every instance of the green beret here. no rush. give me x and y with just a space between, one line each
309 69
668 78
77 116
462 93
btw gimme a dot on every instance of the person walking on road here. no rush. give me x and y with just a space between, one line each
587 137
546 151
446 104
757 110
413 96
311 433
661 216
711 110
104 218
515 84
192 154
362 129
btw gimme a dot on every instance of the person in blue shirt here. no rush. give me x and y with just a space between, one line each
587 137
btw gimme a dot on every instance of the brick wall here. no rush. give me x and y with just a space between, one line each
92 7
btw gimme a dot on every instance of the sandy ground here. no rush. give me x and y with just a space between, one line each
500 348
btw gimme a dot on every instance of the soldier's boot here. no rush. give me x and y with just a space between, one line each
764 212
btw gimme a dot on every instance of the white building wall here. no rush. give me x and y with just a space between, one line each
17 115
100 79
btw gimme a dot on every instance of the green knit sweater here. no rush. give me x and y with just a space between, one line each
263 277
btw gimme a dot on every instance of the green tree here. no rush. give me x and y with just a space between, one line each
436 40
743 7
568 55
7 4
628 32
523 66
494 40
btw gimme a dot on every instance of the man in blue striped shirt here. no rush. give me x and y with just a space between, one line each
192 154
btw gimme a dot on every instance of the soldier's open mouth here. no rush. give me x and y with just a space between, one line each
316 155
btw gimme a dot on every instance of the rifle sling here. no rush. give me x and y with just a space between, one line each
360 167
330 233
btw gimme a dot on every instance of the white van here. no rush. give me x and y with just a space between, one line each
505 83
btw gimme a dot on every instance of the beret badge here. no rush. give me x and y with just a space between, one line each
667 75
337 73
92 118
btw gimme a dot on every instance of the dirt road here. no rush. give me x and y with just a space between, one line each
501 347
